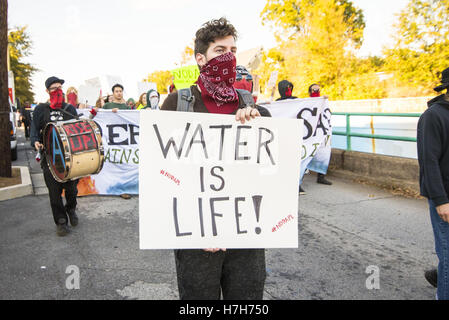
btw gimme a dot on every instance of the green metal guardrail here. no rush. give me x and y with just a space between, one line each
373 136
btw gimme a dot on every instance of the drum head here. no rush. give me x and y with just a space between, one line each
54 152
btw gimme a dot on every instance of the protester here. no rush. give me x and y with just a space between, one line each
153 98
142 103
56 110
108 98
202 274
315 92
100 102
72 98
244 80
118 103
131 104
433 159
285 88
25 117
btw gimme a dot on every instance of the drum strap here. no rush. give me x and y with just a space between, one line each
63 110
68 113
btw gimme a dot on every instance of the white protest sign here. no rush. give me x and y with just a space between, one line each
207 181
88 94
113 80
273 79
94 82
144 87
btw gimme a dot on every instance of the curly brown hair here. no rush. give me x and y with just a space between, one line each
211 31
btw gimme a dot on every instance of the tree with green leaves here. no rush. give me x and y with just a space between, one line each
421 50
20 46
318 40
292 17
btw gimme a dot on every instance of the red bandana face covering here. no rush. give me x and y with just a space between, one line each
243 84
71 98
315 94
216 82
288 92
56 99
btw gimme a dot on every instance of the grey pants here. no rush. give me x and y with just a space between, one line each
238 273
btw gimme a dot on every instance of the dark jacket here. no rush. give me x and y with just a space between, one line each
26 116
433 151
282 87
43 114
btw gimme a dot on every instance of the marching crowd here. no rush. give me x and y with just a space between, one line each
240 273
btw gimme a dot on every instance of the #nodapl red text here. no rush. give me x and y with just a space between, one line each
281 223
172 177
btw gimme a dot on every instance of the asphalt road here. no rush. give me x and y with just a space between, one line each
348 233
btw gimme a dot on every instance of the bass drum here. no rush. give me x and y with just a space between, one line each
73 149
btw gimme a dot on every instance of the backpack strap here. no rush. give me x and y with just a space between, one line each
186 100
245 99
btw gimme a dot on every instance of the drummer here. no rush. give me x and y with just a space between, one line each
56 110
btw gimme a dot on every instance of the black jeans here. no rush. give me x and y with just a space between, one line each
55 190
27 129
238 273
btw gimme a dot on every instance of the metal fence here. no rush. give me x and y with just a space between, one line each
349 134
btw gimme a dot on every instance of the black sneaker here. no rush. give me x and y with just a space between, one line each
72 217
301 191
321 179
431 277
62 229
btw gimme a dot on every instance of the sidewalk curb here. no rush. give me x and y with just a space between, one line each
20 190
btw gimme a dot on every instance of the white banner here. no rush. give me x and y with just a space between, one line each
120 173
206 181
316 143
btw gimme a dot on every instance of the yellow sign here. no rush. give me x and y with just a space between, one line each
184 77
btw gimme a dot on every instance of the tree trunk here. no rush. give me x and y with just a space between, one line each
5 137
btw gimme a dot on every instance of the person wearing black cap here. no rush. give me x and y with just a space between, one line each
56 110
433 159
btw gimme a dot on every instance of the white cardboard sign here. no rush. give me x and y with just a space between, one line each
144 87
88 94
207 181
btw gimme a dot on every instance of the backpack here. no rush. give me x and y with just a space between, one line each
186 99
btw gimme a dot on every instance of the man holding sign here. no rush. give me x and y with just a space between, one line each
238 273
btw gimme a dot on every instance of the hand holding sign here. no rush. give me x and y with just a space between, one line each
246 113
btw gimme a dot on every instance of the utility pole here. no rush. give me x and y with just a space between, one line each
5 137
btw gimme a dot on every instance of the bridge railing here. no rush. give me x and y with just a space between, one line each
349 134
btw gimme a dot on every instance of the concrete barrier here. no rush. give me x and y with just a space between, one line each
20 190
389 172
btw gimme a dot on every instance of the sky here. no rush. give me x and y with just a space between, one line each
78 40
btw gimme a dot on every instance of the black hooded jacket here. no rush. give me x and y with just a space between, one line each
282 87
433 151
